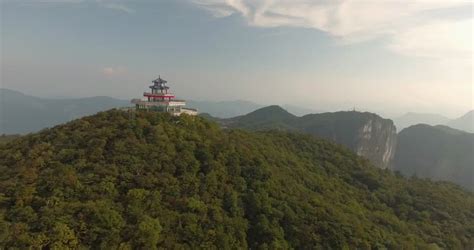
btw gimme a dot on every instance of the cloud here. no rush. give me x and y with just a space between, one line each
113 5
406 25
116 71
117 5
448 39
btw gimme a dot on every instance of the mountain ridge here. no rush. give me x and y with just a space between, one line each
367 134
413 118
465 122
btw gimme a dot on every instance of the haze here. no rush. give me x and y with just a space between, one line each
386 56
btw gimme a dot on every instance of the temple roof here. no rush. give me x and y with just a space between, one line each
159 81
159 87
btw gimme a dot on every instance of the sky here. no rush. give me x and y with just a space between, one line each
386 56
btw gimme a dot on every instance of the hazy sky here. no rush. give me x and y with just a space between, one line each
391 56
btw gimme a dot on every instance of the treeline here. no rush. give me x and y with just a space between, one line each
148 180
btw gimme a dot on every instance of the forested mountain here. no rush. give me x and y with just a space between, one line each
271 117
465 122
367 134
436 152
150 180
411 118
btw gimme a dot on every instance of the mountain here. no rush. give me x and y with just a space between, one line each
271 117
21 113
229 109
465 122
300 111
436 152
224 109
151 180
367 134
410 119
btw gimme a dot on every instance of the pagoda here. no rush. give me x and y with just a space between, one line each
161 100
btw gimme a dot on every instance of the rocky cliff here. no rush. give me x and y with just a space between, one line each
367 134
377 141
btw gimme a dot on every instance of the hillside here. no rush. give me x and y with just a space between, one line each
7 138
367 134
147 180
465 122
436 152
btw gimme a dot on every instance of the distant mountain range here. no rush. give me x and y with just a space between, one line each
20 113
367 134
410 119
465 123
436 152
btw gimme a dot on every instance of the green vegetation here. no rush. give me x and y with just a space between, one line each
7 138
148 180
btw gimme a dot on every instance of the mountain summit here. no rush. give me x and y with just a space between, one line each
436 152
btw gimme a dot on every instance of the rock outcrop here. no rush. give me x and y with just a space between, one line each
367 134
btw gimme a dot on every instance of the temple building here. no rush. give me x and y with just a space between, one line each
161 100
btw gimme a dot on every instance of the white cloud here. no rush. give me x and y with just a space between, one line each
117 6
410 26
114 71
436 39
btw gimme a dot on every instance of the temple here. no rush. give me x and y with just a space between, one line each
161 100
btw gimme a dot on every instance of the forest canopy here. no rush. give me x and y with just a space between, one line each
148 180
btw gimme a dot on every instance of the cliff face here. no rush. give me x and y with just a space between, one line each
377 141
367 134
